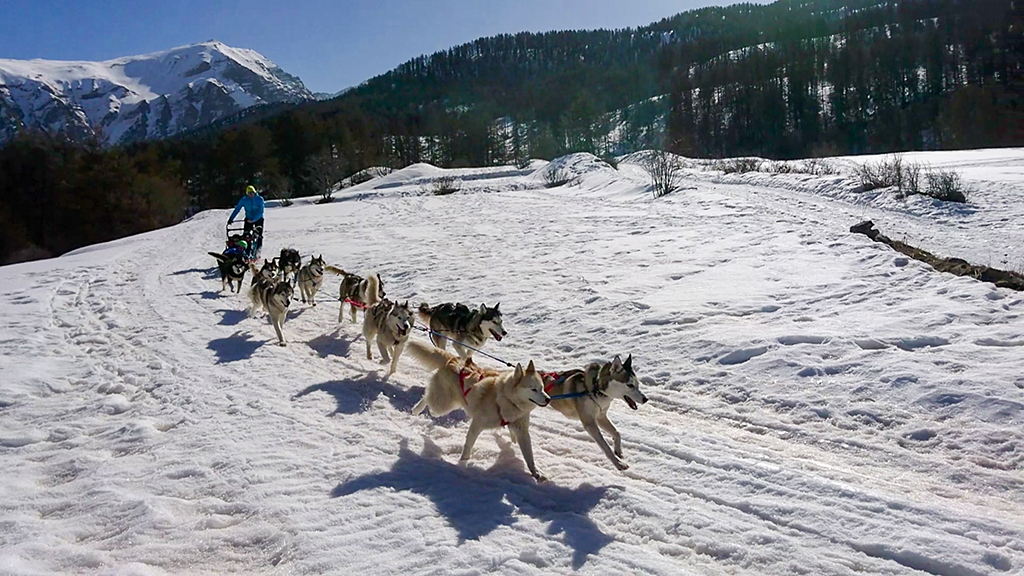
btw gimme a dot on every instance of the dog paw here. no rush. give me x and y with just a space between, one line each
539 477
282 343
622 465
619 452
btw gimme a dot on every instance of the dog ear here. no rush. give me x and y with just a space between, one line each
518 374
529 368
628 364
483 308
496 306
617 363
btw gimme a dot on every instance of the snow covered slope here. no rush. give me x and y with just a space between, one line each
819 403
139 97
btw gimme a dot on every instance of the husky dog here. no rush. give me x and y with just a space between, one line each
274 296
267 272
461 324
364 292
490 398
598 384
232 269
391 323
289 262
309 278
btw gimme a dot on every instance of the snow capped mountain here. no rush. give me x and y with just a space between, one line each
140 97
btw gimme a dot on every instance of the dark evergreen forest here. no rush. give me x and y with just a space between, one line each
785 80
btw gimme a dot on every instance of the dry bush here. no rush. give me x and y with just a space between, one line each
665 171
737 165
818 167
444 185
946 185
892 172
778 167
556 177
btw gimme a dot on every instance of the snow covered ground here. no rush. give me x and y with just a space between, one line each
819 403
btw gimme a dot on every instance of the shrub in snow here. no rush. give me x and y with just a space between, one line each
738 165
444 185
946 185
906 178
892 172
665 171
556 177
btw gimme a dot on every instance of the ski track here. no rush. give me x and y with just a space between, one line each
793 428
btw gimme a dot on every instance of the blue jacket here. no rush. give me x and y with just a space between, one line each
253 208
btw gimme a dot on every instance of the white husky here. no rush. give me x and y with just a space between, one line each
490 398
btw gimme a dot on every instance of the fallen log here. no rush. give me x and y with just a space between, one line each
958 266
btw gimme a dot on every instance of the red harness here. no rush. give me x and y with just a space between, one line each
359 305
466 390
550 379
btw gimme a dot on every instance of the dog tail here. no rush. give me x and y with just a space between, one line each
424 312
335 270
429 356
372 289
219 257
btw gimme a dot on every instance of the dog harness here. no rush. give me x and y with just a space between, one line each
359 305
466 390
552 379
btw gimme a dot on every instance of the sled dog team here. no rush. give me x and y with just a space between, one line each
490 398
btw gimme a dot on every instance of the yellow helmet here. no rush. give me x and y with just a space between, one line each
250 188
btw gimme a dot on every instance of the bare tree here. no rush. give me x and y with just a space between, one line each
323 171
664 169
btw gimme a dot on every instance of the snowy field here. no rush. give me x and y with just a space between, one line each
819 403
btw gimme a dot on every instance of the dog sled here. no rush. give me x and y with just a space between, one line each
243 242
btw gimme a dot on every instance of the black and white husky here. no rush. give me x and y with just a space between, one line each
310 278
232 270
359 292
289 263
274 296
462 324
594 388
390 323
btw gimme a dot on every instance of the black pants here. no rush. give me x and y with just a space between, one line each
254 231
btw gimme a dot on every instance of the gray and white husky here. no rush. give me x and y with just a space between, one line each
462 324
599 383
267 272
275 297
391 323
310 278
365 292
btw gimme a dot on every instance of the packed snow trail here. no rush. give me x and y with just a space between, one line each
819 404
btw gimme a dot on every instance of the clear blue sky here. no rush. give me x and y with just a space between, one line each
329 45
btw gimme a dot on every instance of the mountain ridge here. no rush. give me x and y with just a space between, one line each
142 97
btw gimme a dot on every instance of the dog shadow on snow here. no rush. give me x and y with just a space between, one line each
354 395
238 346
476 501
332 344
208 273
